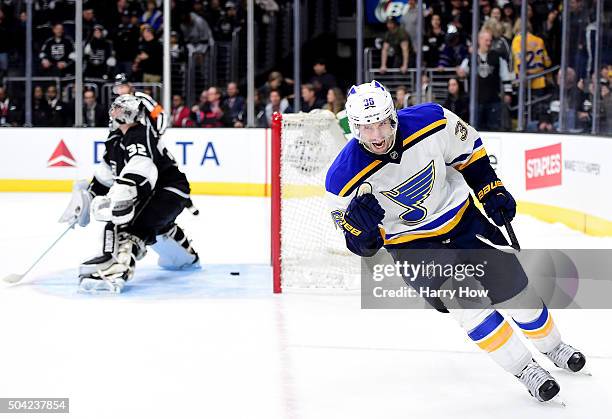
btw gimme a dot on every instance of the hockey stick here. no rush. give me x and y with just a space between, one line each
513 240
15 278
514 246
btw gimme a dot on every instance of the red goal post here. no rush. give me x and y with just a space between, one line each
307 250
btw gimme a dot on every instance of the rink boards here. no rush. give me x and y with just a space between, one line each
556 178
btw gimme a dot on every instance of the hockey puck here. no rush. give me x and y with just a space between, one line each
234 273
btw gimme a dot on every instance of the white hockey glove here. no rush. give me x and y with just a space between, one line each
118 205
78 208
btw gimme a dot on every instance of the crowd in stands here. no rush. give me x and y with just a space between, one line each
123 36
446 44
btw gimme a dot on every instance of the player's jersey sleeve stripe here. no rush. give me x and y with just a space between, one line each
424 132
353 182
443 230
465 156
475 156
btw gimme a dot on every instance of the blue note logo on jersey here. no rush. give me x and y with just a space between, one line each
412 193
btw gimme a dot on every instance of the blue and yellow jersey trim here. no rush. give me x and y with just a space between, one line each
464 160
354 165
438 227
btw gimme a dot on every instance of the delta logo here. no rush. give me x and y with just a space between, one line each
61 157
543 167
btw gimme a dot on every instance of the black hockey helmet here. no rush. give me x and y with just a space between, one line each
120 80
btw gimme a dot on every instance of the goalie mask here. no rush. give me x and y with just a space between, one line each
372 116
124 110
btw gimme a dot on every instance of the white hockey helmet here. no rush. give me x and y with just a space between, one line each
125 110
370 103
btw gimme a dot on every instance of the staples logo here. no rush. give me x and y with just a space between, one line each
543 167
61 157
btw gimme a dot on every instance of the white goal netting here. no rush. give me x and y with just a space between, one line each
313 252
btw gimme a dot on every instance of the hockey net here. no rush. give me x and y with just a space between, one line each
307 249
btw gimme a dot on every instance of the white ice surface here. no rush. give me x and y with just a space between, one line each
207 344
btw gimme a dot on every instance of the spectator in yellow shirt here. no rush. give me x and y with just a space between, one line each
536 56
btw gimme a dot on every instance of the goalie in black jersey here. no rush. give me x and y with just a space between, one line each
138 191
153 114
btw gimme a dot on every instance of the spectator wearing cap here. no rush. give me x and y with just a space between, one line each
10 112
396 47
57 53
309 98
235 106
126 37
152 17
93 114
322 80
99 55
150 57
196 32
227 23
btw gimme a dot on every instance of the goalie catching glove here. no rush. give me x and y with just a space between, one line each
495 199
118 206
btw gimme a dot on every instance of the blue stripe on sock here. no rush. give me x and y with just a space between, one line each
537 323
487 326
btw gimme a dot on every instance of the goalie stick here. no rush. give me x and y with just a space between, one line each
15 278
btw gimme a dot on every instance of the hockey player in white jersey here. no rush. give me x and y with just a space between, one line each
419 166
153 114
138 191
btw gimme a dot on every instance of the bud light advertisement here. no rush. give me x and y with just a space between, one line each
377 11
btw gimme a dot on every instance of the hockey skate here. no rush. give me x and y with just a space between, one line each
539 382
109 273
567 357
